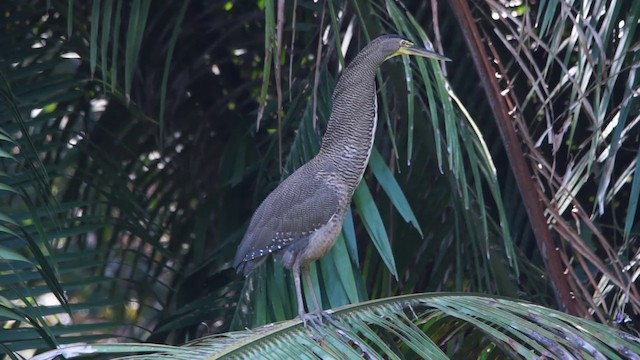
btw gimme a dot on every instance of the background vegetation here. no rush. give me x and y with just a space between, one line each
137 138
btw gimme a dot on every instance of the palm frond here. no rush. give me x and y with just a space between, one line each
428 326
582 80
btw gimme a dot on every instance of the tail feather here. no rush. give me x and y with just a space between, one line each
246 267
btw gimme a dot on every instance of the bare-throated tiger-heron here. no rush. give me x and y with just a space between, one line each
301 219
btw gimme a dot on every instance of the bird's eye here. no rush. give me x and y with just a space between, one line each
406 43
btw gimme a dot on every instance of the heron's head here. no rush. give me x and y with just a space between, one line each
394 45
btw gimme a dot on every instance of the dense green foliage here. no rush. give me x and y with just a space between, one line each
137 138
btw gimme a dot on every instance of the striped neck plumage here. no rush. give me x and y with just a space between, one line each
351 129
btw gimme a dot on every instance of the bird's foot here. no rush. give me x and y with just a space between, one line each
313 317
316 317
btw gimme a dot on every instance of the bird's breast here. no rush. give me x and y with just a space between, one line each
323 239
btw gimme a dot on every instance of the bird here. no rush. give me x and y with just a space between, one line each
301 219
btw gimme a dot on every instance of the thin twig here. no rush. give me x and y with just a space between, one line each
316 78
293 42
436 33
276 63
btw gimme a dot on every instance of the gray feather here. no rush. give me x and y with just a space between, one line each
300 205
301 219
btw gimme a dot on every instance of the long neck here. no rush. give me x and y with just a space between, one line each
349 137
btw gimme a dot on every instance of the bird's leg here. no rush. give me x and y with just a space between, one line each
296 279
307 278
318 310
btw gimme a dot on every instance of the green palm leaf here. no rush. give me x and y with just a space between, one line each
427 326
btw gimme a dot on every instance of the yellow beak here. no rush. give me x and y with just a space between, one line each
408 48
417 51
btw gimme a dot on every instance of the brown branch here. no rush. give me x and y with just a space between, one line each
532 203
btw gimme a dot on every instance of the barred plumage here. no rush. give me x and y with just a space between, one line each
301 219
